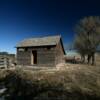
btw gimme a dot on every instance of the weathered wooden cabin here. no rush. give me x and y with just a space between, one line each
42 51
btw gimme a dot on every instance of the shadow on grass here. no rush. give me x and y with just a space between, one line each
20 86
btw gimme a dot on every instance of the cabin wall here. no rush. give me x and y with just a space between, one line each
45 56
59 54
23 57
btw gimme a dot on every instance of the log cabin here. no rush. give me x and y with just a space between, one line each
41 51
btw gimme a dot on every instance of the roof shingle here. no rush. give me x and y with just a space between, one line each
41 41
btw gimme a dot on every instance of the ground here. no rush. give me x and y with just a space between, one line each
73 81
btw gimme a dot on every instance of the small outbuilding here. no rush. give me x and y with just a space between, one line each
41 51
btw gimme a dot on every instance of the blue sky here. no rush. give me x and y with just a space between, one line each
21 19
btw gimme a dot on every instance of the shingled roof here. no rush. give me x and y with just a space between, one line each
41 41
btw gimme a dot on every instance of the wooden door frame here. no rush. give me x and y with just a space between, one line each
33 57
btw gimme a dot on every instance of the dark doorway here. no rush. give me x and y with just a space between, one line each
34 57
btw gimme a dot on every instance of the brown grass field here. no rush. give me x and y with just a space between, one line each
72 82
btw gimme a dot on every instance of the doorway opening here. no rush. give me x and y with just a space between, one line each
34 57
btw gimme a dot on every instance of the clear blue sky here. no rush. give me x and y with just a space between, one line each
21 19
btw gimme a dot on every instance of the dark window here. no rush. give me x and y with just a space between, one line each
48 48
26 49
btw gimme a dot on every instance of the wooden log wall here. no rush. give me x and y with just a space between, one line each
45 56
59 54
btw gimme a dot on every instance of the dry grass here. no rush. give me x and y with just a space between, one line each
75 78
